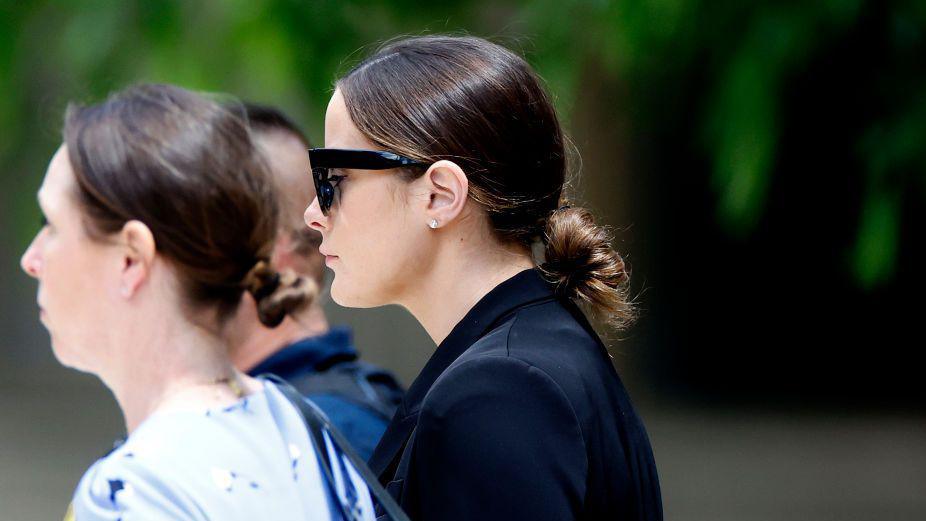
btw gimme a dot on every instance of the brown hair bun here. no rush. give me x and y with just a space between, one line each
582 265
278 294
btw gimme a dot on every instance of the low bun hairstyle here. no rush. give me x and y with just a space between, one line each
186 167
478 104
277 294
581 264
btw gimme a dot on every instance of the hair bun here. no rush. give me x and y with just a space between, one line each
278 294
581 264
262 280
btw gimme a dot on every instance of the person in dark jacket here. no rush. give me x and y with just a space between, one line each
444 171
320 361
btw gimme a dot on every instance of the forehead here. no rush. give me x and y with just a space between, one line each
58 181
283 150
288 161
340 131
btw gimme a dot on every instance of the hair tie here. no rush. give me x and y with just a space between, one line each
262 280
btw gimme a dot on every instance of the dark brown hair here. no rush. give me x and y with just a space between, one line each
482 106
186 167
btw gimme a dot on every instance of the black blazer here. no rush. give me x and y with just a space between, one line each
519 414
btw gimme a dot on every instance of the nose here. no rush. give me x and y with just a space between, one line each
314 218
31 261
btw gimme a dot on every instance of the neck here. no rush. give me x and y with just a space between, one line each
459 278
250 342
170 360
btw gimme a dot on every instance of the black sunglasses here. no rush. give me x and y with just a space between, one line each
324 159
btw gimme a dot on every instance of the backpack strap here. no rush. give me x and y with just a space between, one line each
317 424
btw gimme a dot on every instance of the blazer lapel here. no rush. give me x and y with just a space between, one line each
524 288
386 455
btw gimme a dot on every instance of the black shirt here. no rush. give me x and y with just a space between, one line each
519 414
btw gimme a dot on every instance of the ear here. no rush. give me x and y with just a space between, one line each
448 190
138 250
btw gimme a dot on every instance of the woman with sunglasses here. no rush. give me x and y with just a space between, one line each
160 215
444 167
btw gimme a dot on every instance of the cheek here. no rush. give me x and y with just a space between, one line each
76 272
76 300
382 253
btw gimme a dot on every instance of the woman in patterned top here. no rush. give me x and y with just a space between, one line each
158 215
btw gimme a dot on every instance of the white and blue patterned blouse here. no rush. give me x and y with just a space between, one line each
249 461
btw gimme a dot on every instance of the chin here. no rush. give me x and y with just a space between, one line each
66 357
350 297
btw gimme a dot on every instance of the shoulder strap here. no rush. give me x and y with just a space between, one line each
317 424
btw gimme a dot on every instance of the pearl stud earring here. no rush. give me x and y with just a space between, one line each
433 224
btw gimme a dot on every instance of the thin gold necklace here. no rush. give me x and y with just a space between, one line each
232 382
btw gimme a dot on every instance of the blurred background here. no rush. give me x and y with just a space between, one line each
763 164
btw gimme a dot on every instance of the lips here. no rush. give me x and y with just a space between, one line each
329 258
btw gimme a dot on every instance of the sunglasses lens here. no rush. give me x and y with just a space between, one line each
325 196
323 189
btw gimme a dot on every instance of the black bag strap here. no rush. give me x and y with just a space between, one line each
317 424
342 512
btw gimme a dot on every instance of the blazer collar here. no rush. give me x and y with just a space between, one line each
527 287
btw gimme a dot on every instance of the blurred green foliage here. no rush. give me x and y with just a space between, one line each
287 52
